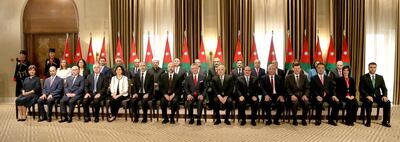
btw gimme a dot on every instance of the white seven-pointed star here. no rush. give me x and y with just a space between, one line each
133 53
306 53
219 53
272 53
77 54
239 53
290 53
319 53
118 54
345 52
202 52
90 54
102 54
255 53
166 53
66 55
185 53
331 53
148 53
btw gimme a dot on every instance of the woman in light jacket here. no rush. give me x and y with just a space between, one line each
119 91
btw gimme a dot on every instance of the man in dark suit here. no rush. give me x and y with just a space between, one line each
171 90
323 91
257 71
298 92
73 92
51 92
51 61
278 71
373 89
106 71
336 73
201 71
238 71
133 71
211 73
143 91
195 89
247 88
273 87
223 90
95 89
156 71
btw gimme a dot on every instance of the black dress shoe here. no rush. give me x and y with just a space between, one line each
295 123
253 123
42 119
191 121
49 120
317 123
111 119
332 123
63 120
217 122
136 120
144 120
277 123
367 124
87 119
69 119
165 121
96 119
243 123
172 121
268 122
304 123
386 124
227 122
198 122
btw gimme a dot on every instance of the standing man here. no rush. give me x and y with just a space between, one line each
278 71
323 91
238 71
104 69
247 88
373 89
257 71
223 89
73 92
194 89
96 91
51 61
298 92
135 69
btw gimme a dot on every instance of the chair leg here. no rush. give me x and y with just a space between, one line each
33 111
377 113
102 112
16 111
185 110
126 114
158 112
205 112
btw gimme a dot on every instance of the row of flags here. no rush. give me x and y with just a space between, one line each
305 60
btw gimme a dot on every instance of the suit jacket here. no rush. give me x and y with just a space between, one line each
156 73
101 85
55 63
77 87
261 73
122 86
148 83
293 89
235 73
175 85
132 72
342 89
267 87
247 91
107 72
366 88
224 90
181 74
190 88
281 73
318 89
55 89
211 74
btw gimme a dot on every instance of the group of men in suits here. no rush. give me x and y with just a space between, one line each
245 85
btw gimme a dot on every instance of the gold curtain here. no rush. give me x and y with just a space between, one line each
302 17
188 18
124 19
235 16
396 83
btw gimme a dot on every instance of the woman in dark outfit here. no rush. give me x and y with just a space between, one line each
346 91
30 91
21 71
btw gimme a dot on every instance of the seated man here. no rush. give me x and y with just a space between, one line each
142 91
273 93
51 92
223 89
170 88
96 91
194 89
73 92
247 87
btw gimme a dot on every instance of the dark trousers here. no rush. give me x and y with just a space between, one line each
115 104
135 102
278 106
199 107
319 106
242 108
71 102
96 102
385 105
351 110
173 104
218 106
50 103
305 106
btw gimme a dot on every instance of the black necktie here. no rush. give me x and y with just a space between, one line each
142 81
